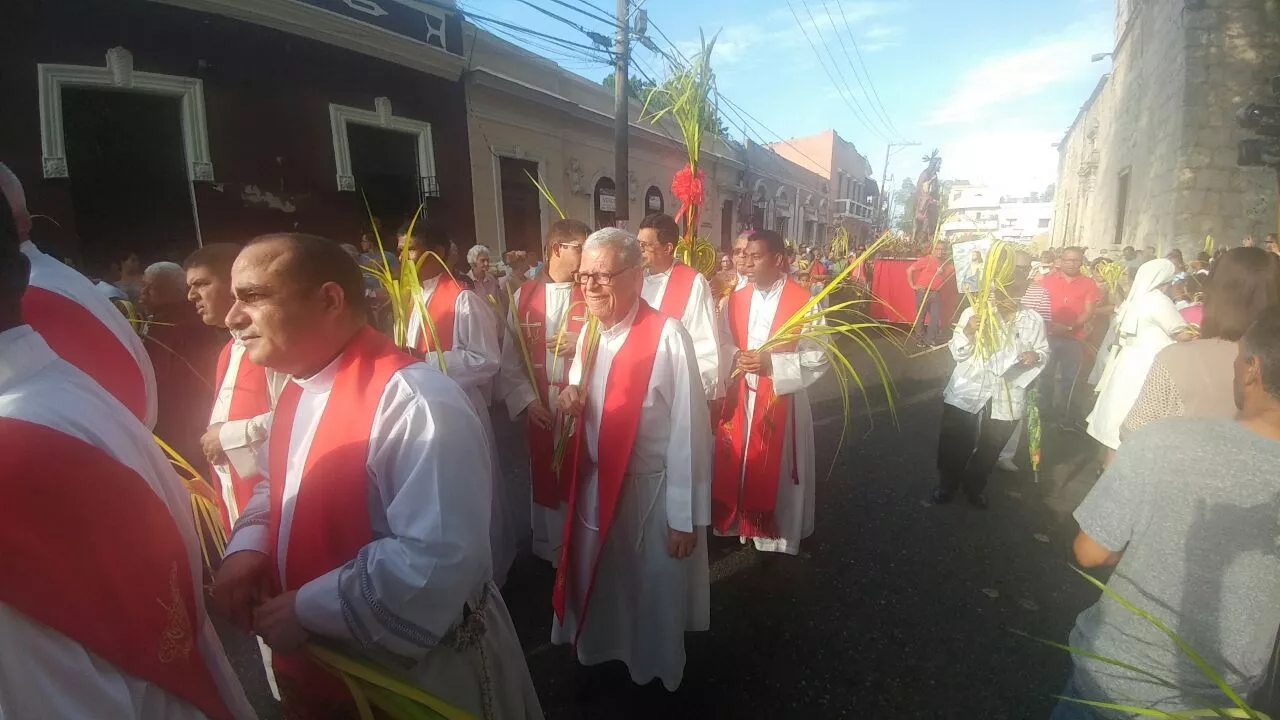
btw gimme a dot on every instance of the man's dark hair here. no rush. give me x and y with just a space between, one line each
1174 253
668 230
1262 341
568 230
1128 250
428 234
771 239
1243 282
314 261
218 257
1072 248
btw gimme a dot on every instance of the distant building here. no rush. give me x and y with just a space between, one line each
1150 160
976 211
971 210
854 194
784 196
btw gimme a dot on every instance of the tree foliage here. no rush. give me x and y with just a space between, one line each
639 89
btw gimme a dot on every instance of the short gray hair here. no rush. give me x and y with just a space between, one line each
626 244
170 269
475 252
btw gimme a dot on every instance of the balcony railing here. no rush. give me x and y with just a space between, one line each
848 207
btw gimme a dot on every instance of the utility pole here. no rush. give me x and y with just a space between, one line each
882 207
621 117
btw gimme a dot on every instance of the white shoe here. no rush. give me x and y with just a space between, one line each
1006 465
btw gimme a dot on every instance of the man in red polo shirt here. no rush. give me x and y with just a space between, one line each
926 276
1073 299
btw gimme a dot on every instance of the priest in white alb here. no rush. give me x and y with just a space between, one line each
371 532
549 313
462 332
102 611
677 290
244 392
79 322
633 575
764 459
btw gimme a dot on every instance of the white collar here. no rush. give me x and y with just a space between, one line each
769 291
623 325
22 353
321 382
664 273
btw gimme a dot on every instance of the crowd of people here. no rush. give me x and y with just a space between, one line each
360 482
1181 367
367 511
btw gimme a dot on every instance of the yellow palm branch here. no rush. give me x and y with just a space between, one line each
204 505
546 193
372 687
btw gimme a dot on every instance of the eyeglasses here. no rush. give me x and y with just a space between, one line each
600 278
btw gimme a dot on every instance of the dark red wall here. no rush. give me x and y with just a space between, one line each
266 96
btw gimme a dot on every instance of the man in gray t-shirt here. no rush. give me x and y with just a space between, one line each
1189 512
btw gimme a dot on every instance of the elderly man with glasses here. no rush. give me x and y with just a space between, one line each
638 464
548 312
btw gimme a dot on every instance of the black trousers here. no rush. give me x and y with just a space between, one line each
968 446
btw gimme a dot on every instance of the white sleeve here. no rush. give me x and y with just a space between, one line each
240 440
688 458
514 386
700 320
960 345
430 465
252 531
475 357
796 370
728 351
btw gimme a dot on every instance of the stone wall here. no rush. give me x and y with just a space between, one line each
1165 118
1232 49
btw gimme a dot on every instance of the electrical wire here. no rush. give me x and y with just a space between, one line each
517 28
600 15
874 93
596 37
843 86
556 49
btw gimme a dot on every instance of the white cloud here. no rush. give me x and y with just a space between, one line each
760 43
1021 75
1011 161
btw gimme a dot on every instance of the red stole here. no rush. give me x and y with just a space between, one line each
62 563
81 339
751 498
625 390
679 288
441 309
531 315
330 512
249 398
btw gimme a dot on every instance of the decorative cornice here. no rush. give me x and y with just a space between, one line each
331 28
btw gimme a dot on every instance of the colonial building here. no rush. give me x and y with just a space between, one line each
783 196
848 174
530 118
154 125
1150 160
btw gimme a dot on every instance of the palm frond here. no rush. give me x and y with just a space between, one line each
372 687
546 193
204 505
688 97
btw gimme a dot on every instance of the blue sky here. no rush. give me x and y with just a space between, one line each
991 83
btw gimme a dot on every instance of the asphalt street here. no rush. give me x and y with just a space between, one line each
894 609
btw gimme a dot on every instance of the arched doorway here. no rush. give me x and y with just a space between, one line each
605 203
653 201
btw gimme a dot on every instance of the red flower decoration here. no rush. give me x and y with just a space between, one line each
687 187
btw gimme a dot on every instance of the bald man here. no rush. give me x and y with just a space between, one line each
79 322
184 354
373 528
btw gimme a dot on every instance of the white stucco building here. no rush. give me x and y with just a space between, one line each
529 115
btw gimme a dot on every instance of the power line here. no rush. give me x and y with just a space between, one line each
596 37
600 15
550 45
843 86
516 28
874 93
